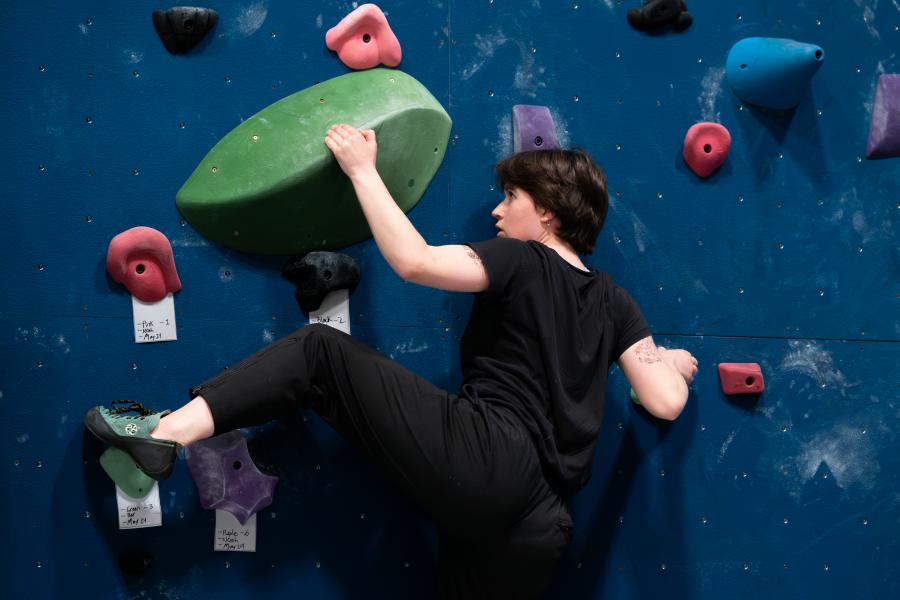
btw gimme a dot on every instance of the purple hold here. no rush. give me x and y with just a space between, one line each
226 477
884 132
533 128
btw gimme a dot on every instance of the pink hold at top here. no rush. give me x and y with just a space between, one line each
363 39
141 259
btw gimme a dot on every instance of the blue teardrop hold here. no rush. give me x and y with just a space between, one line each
772 72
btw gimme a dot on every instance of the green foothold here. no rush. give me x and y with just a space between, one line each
271 186
634 397
125 473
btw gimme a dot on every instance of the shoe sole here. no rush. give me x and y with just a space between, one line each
154 457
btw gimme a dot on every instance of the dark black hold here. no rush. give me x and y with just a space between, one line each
182 27
317 273
134 562
656 14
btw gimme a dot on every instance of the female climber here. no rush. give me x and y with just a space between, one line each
495 462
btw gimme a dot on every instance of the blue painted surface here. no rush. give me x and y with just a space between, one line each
787 256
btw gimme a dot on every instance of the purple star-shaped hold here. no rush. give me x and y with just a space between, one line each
884 132
226 477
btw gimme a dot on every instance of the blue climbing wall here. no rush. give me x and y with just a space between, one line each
787 257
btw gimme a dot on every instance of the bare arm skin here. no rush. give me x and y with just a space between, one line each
454 268
659 376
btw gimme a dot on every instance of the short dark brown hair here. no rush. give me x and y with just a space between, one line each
566 182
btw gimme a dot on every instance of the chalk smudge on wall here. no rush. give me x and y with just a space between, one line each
525 80
711 86
868 16
56 342
132 57
811 359
847 453
408 347
487 45
249 20
503 142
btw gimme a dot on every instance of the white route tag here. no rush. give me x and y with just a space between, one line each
231 536
154 321
136 513
334 311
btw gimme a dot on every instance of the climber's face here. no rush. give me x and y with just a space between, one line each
518 217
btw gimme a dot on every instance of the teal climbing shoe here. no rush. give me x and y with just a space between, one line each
131 433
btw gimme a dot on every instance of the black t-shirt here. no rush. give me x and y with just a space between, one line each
540 341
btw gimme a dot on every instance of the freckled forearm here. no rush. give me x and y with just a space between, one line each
648 353
473 255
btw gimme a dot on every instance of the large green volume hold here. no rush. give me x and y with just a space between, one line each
271 186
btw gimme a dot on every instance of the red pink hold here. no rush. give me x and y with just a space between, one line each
363 39
706 147
141 259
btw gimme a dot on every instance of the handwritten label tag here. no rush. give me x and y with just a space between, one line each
231 536
334 311
136 513
154 321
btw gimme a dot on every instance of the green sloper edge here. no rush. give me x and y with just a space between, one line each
282 191
122 469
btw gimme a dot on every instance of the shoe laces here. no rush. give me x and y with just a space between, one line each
123 406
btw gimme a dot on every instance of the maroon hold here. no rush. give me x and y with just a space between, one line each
141 259
706 147
533 128
741 378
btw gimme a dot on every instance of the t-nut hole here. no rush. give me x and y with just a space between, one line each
411 183
367 38
236 465
538 141
744 66
140 268
819 54
707 148
749 381
327 275
189 24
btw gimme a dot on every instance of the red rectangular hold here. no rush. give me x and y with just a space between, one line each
741 378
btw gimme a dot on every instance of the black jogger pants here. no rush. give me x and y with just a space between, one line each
470 463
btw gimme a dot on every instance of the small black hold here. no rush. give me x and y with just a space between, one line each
134 562
657 14
182 27
317 273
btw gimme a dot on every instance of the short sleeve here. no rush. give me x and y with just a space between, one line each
508 262
629 321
